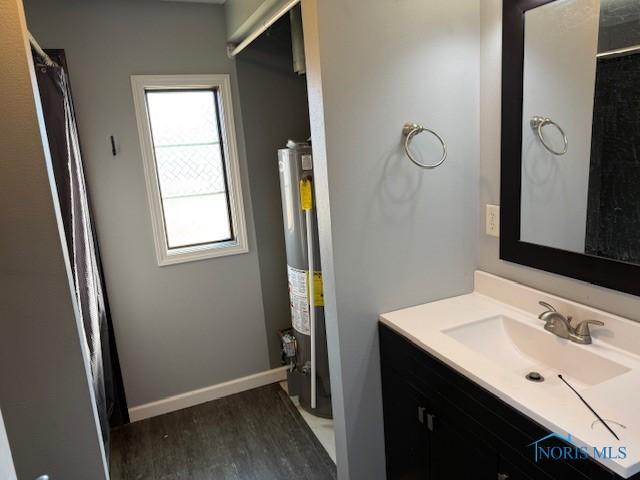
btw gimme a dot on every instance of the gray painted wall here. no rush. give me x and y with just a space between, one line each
559 79
45 392
609 300
178 327
392 235
274 109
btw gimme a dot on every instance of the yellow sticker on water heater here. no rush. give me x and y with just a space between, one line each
318 294
306 194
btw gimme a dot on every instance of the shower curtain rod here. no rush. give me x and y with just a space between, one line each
36 46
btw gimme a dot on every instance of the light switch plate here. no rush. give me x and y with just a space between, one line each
493 220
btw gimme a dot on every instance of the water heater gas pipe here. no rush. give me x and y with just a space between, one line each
306 201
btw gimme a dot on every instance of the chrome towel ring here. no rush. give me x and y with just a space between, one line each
410 130
538 123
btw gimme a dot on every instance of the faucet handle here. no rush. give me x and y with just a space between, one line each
548 306
582 329
549 309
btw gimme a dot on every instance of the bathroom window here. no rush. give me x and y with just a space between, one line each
191 166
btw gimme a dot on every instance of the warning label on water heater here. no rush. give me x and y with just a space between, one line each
298 298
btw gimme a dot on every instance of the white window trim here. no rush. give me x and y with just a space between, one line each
142 83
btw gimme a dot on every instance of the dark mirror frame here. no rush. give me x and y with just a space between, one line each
608 273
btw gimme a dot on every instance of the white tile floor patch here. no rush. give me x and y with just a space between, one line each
321 427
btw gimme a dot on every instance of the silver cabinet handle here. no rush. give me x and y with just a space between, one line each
538 123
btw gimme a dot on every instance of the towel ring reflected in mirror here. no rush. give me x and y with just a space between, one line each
538 123
410 130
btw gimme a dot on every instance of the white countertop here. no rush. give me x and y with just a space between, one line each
551 403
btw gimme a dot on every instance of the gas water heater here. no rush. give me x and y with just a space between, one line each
309 375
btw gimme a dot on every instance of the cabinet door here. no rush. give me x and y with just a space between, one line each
457 454
406 436
509 471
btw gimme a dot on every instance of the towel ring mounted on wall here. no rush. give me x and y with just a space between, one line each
410 130
538 123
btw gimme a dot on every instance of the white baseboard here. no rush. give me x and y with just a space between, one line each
206 394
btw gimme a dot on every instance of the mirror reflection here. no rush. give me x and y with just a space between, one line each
581 128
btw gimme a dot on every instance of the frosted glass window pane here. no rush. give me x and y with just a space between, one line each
196 220
190 166
183 117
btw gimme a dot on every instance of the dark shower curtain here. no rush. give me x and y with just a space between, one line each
82 246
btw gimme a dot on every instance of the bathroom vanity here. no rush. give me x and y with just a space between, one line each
458 405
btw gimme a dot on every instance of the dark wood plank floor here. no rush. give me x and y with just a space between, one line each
254 435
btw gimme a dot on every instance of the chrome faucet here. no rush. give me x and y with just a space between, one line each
560 325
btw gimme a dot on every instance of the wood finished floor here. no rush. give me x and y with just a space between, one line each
254 435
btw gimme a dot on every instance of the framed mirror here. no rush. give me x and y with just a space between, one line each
570 167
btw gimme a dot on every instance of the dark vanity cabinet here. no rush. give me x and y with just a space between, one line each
423 444
439 425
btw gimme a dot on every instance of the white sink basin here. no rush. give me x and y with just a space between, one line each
521 348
